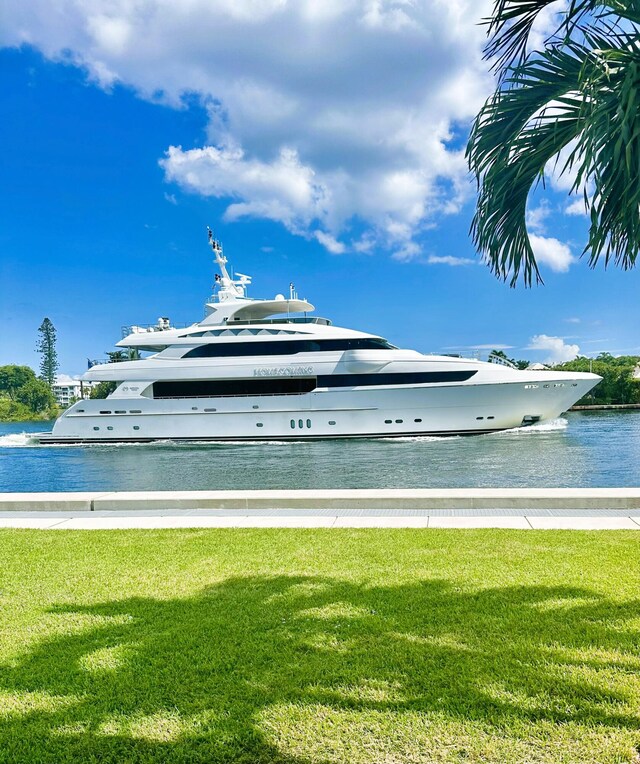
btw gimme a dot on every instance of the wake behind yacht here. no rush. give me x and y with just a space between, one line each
267 370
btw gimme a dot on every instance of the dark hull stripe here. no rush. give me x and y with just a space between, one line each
441 433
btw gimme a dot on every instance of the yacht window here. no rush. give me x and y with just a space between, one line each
121 412
259 424
308 423
300 423
490 417
417 420
96 428
109 428
399 421
286 347
332 422
208 411
135 411
293 424
388 421
80 411
105 412
214 388
136 427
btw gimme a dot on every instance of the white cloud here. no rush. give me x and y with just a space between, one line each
558 350
536 217
171 198
573 320
577 206
450 260
329 243
320 111
551 252
545 24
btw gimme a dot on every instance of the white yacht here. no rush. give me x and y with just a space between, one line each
267 370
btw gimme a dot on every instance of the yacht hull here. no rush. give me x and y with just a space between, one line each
384 412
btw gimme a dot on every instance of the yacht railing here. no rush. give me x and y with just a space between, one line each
150 328
292 320
493 358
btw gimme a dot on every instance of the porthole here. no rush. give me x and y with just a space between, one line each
399 421
255 407
293 424
208 411
194 408
105 412
332 422
417 420
308 423
135 411
479 417
259 424
490 417
136 427
120 412
545 385
96 428
300 425
109 428
387 421
80 411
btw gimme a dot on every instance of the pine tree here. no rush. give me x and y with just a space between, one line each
47 348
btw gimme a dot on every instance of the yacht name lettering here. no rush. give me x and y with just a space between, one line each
283 371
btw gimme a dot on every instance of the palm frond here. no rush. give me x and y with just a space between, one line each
582 88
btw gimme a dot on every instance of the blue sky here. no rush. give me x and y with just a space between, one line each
314 164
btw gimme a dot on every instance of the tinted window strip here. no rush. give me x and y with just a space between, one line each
285 347
394 378
298 386
230 387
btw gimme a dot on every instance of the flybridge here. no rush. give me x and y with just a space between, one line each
231 303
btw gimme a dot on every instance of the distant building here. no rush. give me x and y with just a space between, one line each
537 367
67 389
636 372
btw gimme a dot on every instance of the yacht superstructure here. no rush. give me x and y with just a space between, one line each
266 370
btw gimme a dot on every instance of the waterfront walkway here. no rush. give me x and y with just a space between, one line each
526 509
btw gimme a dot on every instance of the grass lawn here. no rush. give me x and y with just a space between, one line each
300 646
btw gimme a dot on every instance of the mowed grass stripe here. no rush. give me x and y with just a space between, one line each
297 646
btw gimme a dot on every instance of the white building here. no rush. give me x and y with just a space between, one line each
68 389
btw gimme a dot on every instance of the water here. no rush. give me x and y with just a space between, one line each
597 449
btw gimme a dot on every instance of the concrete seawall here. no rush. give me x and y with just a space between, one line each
355 499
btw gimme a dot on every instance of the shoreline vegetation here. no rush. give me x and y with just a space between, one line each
24 397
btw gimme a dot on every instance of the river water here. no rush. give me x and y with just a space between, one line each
598 449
